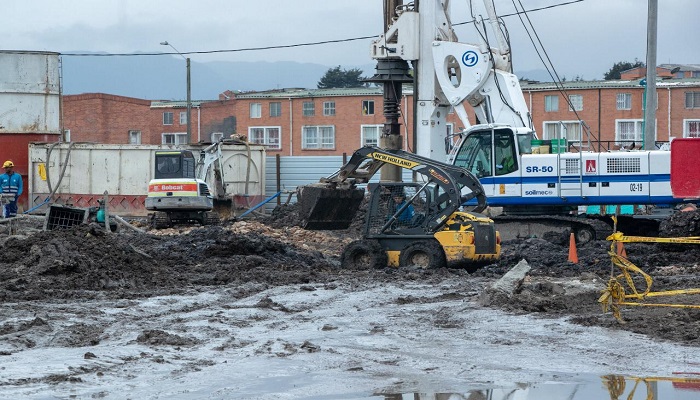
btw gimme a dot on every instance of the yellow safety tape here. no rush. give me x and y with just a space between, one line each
615 295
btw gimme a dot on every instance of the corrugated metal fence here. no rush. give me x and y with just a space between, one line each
301 170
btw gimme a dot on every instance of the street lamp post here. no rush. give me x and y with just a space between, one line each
189 92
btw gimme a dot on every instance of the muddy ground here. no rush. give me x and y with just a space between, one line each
85 292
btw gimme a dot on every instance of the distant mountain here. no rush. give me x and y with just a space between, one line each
165 77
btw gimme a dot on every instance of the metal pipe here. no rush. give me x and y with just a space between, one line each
127 224
291 127
668 123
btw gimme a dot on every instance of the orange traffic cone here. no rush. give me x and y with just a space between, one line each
573 255
621 250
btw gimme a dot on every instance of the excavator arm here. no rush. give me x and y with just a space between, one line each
333 202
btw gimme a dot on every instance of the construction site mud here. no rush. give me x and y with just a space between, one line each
67 289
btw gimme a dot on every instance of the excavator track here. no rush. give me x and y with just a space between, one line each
211 218
161 220
525 226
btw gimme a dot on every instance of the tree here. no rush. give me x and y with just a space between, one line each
616 69
342 78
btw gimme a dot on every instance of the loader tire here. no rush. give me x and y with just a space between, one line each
425 254
363 254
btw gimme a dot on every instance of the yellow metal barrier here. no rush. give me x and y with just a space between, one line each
615 294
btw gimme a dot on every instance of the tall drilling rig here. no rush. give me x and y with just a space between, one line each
411 30
392 72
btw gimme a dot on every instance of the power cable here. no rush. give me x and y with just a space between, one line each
288 46
218 51
548 64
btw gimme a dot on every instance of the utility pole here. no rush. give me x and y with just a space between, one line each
189 93
189 103
650 106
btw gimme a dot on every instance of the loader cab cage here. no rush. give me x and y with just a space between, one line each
175 164
401 209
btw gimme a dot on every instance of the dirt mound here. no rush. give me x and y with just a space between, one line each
681 224
78 262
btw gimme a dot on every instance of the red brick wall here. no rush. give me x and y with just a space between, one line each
602 119
106 118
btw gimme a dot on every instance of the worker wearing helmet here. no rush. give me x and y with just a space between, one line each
10 186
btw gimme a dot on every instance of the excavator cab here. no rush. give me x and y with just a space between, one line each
175 164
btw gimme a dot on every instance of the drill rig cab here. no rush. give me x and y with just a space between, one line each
407 224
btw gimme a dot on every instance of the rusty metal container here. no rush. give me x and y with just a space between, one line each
30 105
29 92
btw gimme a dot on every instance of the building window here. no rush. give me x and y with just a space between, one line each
694 74
266 135
134 137
167 118
255 110
308 109
691 128
569 130
367 107
216 136
174 138
369 135
576 102
183 117
692 99
628 132
450 129
551 103
624 101
329 108
275 109
318 137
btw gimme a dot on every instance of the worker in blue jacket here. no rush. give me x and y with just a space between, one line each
10 184
400 201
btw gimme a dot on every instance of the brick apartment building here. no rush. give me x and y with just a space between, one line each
613 111
337 121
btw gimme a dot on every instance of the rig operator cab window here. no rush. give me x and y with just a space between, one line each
488 153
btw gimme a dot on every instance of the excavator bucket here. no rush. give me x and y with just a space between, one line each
324 207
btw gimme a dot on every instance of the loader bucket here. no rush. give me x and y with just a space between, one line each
326 208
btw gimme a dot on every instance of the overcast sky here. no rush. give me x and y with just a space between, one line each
583 38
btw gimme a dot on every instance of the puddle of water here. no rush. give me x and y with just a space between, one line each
614 387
